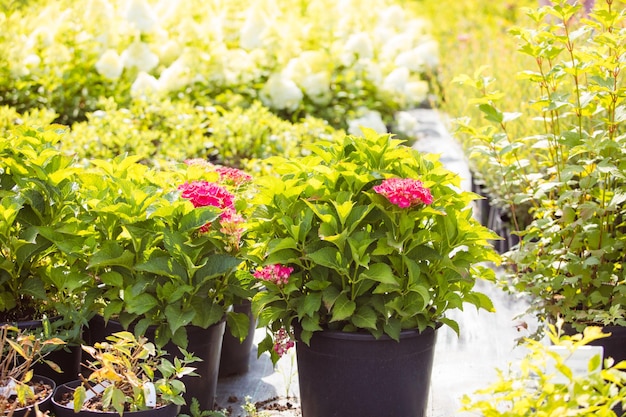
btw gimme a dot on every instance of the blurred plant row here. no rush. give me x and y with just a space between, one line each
339 61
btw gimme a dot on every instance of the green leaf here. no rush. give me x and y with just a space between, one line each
343 210
364 318
326 257
450 323
312 303
491 113
380 272
392 328
239 324
343 308
206 313
178 316
111 254
198 217
217 265
112 279
80 395
139 304
34 287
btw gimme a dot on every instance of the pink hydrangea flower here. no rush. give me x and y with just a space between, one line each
204 193
233 175
199 162
282 342
231 224
404 192
277 274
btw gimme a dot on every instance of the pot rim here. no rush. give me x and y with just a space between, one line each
367 336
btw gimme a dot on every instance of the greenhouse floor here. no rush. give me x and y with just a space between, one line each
462 363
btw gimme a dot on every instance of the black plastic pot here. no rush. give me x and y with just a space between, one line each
355 375
203 343
67 357
62 410
43 405
235 359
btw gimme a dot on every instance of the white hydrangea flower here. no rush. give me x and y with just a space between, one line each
281 93
253 30
392 17
169 52
396 45
405 123
110 65
239 66
99 11
416 92
32 60
370 119
372 70
144 86
141 15
429 52
317 87
359 45
174 77
139 55
396 81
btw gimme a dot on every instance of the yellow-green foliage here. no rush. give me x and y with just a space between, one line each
473 37
10 118
532 389
164 131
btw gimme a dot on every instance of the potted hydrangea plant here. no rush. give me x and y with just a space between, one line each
43 277
365 244
167 256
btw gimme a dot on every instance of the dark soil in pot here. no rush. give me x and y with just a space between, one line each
43 388
63 406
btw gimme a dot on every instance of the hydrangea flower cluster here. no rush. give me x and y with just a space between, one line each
233 176
277 274
404 192
231 225
204 193
282 342
199 162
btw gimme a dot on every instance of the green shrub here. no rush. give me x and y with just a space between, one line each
162 132
533 388
571 173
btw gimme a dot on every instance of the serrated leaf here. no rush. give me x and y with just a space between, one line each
239 324
343 308
364 317
380 272
178 316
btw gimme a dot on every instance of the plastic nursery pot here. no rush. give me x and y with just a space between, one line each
63 409
203 343
354 374
235 357
43 405
66 357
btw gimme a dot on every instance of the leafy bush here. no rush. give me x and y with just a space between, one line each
165 132
534 388
377 236
42 271
571 257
